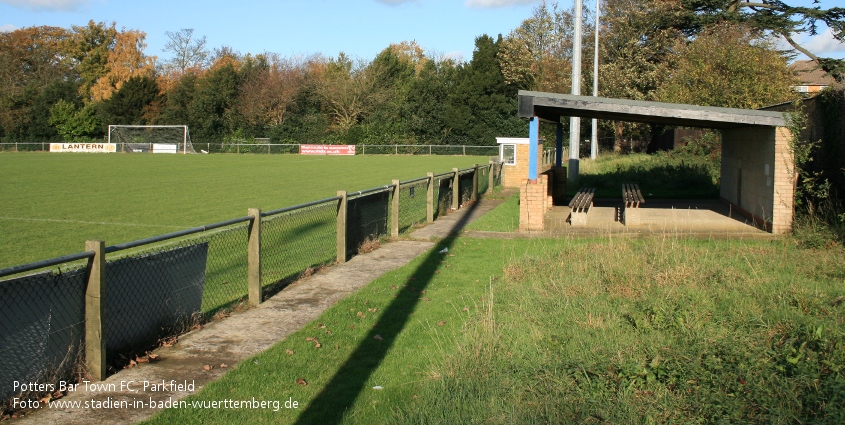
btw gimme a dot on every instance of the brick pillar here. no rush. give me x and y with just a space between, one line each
784 189
533 204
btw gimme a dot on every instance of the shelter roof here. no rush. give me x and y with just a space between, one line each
553 106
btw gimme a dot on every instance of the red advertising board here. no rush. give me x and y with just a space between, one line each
327 149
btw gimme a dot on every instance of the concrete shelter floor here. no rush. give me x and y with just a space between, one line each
676 216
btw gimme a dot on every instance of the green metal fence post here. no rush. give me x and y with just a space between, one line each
95 343
341 227
256 295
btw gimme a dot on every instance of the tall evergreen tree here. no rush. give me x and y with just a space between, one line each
128 105
483 106
214 107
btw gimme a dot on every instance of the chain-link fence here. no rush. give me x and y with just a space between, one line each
297 240
158 287
164 288
492 151
466 181
443 193
368 218
287 148
484 178
42 324
413 203
25 147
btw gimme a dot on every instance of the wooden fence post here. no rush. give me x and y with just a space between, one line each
394 214
341 227
256 295
456 190
429 201
95 343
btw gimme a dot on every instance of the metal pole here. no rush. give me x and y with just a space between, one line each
594 140
533 142
575 122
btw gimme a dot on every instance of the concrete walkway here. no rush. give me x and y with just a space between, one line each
234 339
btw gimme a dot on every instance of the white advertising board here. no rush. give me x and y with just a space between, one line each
165 148
83 147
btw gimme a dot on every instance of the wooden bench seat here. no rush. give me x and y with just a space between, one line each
632 197
580 205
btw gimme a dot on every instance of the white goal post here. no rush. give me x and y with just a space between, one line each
152 138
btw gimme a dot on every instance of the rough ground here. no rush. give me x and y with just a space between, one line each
229 341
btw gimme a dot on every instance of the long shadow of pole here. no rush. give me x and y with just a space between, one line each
346 385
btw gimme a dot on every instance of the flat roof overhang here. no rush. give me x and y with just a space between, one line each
552 106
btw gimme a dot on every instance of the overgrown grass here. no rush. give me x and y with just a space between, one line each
608 330
820 224
660 175
51 203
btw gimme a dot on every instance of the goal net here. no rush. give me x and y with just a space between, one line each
152 138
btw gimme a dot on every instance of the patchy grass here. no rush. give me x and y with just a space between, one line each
503 218
660 175
607 330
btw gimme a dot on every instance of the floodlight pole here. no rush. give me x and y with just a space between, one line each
594 139
575 122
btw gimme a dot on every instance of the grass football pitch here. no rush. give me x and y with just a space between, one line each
52 203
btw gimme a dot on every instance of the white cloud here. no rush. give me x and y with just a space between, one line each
456 56
7 28
482 4
824 43
62 5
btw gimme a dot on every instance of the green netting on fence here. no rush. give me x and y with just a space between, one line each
163 289
466 182
413 205
368 219
442 195
295 241
42 328
225 280
484 178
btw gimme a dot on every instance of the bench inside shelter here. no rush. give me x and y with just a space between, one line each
580 205
632 197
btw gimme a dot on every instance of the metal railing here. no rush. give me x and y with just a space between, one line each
290 148
90 308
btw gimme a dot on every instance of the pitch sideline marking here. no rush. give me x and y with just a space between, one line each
100 223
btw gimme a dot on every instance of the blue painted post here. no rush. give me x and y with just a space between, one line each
533 142
559 145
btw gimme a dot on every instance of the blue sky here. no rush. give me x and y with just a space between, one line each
360 28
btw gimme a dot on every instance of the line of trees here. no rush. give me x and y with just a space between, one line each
69 84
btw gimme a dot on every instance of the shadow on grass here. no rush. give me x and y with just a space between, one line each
346 385
673 180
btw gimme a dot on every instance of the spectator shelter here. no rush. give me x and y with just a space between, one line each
757 163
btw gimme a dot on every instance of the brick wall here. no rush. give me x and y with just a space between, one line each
756 175
515 175
533 204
